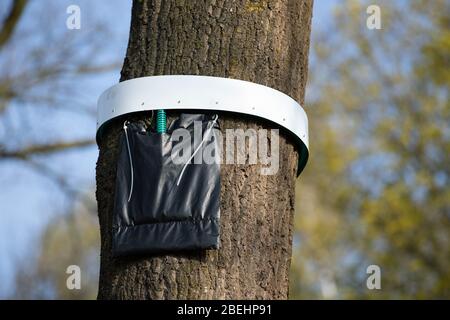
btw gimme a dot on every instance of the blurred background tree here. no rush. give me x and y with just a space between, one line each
50 77
376 189
70 239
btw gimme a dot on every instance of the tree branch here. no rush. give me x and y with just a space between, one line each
97 69
54 177
43 149
12 20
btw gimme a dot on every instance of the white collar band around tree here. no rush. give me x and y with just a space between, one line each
173 92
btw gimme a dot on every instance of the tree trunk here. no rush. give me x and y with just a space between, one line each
266 42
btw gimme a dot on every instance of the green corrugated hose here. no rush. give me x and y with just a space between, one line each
161 121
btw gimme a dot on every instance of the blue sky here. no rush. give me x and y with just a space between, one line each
28 200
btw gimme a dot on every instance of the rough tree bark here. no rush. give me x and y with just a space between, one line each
264 41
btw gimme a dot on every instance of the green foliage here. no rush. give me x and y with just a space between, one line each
376 190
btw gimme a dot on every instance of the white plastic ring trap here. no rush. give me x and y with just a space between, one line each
206 93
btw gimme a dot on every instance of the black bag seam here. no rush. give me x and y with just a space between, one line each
192 221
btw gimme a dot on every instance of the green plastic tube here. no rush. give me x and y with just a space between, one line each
161 121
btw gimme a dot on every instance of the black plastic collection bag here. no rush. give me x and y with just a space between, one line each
164 205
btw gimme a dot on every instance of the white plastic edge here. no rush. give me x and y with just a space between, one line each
205 93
